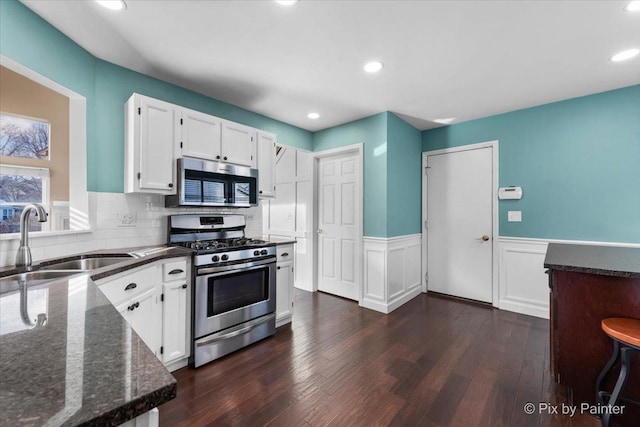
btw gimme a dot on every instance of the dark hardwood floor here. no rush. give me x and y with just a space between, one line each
433 362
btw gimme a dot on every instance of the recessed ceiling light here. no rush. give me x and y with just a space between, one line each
313 116
112 4
287 2
444 121
634 6
373 66
624 55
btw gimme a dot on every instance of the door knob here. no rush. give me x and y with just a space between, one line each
319 230
485 237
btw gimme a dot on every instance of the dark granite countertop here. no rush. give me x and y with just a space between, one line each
85 366
603 260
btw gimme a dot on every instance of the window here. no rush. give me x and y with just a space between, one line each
20 186
24 137
49 121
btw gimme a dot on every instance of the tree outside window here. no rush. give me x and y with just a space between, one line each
21 185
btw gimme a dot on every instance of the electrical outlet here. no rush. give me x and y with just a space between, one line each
126 219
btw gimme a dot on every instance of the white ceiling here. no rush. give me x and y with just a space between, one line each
463 59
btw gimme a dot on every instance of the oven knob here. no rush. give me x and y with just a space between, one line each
215 258
256 253
225 257
263 252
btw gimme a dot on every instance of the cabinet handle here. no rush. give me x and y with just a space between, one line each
176 271
260 191
225 157
218 157
171 185
130 286
184 286
279 268
285 254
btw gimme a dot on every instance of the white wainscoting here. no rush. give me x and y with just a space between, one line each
524 286
391 271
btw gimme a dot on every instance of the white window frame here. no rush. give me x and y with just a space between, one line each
42 173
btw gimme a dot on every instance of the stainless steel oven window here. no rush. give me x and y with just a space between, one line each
236 290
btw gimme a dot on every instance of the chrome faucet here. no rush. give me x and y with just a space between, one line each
23 257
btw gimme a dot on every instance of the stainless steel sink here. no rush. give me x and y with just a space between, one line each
37 276
86 264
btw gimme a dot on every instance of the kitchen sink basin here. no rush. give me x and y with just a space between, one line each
37 276
86 264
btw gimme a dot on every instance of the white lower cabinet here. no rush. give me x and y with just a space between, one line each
284 284
176 306
142 313
155 300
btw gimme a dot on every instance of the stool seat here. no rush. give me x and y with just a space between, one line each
623 329
625 333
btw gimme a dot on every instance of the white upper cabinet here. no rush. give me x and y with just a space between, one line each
157 133
238 144
200 135
267 164
149 146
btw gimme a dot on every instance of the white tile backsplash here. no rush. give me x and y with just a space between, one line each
150 228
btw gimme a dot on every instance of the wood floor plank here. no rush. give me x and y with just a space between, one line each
433 362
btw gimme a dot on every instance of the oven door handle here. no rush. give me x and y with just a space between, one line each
242 266
240 331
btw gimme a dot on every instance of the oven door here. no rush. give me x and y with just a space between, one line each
230 295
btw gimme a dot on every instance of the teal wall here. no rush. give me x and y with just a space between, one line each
392 182
31 41
372 132
404 180
577 161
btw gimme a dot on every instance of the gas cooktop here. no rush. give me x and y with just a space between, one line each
221 245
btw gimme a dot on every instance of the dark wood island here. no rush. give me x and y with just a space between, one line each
589 283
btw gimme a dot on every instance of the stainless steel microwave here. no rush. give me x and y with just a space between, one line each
209 183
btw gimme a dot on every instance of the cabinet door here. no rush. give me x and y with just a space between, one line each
284 292
267 164
144 318
238 144
174 331
156 155
142 315
201 135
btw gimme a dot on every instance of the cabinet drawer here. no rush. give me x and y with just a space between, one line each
284 253
176 270
130 285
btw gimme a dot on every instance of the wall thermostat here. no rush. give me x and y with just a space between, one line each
510 193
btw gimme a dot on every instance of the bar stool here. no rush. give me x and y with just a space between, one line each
625 333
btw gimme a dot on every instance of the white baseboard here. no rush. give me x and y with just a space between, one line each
391 271
174 366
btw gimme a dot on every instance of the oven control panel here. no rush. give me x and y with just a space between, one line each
239 255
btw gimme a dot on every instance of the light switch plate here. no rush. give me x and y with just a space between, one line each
126 219
514 216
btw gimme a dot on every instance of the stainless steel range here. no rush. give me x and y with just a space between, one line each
234 297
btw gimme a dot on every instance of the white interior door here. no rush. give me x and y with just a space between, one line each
338 225
460 223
